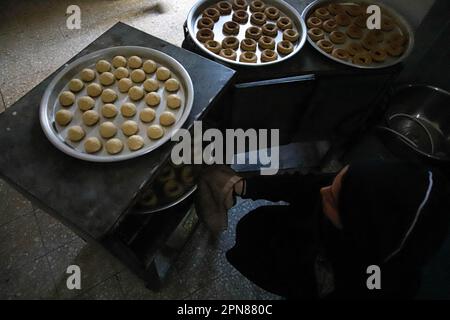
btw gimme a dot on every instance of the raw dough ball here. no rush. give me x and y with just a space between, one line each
66 99
155 131
124 85
128 109
76 85
114 146
102 66
94 90
134 62
163 73
86 103
119 61
152 99
87 75
108 130
63 117
75 133
149 66
90 117
137 75
136 93
173 101
135 142
92 145
129 128
121 72
109 110
167 118
147 115
172 85
109 95
151 85
107 78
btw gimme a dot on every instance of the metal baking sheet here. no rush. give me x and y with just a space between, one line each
285 10
139 209
403 27
50 105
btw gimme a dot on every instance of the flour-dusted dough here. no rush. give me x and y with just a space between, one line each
162 73
147 115
135 142
109 110
149 66
119 61
136 93
90 117
75 133
107 78
152 99
172 85
76 85
167 118
108 129
102 66
87 75
134 62
109 95
151 85
63 117
85 103
114 146
129 128
121 72
92 145
155 131
173 101
137 76
66 98
124 85
128 109
94 90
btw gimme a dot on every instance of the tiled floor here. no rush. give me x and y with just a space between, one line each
35 249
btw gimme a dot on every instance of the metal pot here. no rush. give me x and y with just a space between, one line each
418 117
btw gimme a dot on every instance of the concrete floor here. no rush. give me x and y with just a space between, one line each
35 249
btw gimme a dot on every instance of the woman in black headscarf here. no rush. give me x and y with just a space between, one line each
393 215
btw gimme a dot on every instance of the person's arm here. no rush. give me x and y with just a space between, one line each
283 187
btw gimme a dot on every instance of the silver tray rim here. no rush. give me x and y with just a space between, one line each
394 13
193 13
142 210
161 56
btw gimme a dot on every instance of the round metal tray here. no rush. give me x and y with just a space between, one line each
50 105
162 207
285 9
403 27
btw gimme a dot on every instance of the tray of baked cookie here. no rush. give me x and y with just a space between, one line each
116 104
247 32
173 185
339 30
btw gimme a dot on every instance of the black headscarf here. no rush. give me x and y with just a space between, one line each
394 215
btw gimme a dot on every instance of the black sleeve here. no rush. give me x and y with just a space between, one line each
285 187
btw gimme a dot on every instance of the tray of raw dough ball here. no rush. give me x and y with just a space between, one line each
338 30
173 185
116 104
247 32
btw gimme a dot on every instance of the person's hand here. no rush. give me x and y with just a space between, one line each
215 195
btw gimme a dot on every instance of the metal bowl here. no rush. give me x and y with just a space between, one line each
284 7
49 104
403 27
